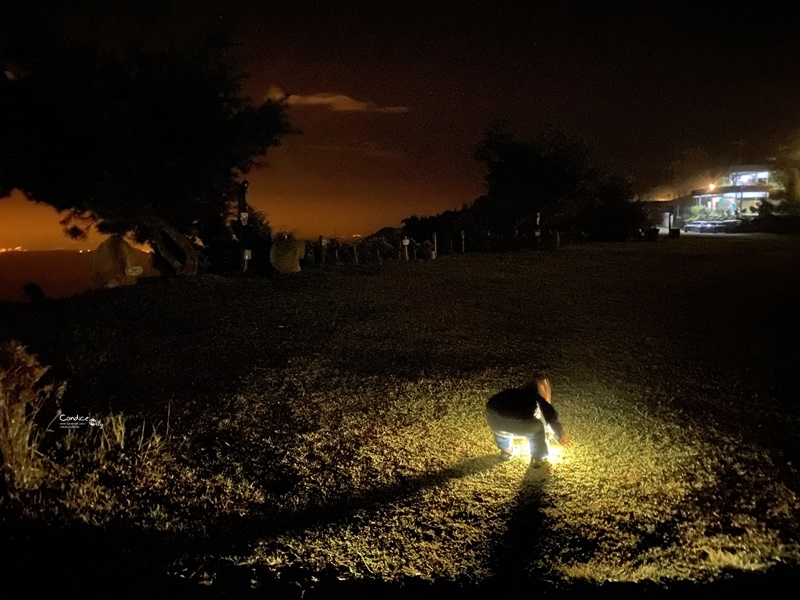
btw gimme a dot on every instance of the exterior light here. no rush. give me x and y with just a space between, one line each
711 187
521 448
555 454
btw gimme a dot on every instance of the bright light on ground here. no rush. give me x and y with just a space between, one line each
522 449
556 453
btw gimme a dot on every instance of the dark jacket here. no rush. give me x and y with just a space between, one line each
515 411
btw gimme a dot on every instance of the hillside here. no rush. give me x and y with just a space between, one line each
323 433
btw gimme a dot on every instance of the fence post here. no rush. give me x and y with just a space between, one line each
355 253
406 242
435 246
462 241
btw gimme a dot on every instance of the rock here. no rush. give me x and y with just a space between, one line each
116 263
286 253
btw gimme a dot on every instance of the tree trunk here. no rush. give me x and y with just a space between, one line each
191 260
186 267
164 252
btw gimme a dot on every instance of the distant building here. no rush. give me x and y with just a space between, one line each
738 193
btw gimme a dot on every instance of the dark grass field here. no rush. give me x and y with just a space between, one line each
321 434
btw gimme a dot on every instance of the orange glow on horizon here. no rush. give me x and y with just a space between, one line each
31 226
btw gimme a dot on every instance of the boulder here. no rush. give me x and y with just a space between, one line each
286 253
115 262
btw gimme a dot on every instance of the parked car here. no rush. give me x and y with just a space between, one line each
715 227
727 226
697 227
732 225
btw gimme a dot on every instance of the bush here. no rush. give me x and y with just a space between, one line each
699 213
22 396
89 477
223 244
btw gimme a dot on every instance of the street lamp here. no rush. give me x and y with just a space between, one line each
247 254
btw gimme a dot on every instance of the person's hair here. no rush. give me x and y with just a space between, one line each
534 379
533 385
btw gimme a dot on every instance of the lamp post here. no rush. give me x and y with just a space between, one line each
247 254
711 197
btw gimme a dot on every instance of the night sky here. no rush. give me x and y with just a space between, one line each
392 98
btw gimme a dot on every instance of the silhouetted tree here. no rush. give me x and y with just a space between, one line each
447 226
552 178
612 214
34 292
786 162
148 144
550 175
223 242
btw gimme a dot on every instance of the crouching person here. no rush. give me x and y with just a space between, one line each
525 412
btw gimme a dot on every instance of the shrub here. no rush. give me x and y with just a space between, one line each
22 396
223 244
699 213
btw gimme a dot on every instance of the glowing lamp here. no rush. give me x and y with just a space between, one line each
555 452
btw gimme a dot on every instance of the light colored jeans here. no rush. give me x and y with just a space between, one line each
537 440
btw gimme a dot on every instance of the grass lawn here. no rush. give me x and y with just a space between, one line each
323 433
